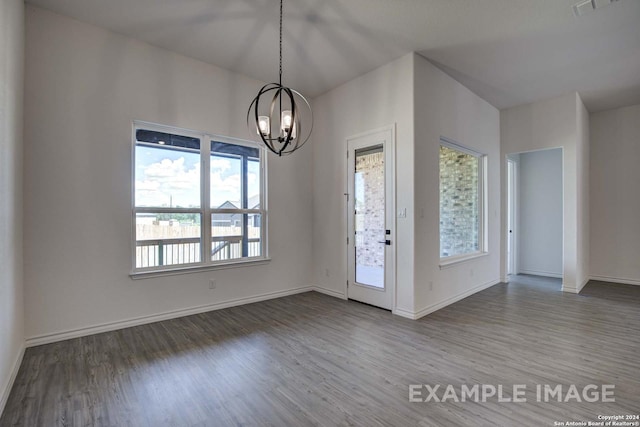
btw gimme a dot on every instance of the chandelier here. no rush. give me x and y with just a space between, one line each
278 114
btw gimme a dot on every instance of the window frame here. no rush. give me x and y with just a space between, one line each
483 248
205 210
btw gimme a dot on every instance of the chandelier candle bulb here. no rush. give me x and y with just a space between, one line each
286 120
287 123
264 127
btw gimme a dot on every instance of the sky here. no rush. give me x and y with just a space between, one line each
167 178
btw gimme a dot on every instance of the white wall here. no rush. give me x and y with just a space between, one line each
540 213
84 87
379 98
555 123
11 277
444 107
615 205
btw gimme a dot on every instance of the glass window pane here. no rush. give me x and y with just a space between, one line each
226 182
370 217
167 239
229 239
459 202
167 170
233 166
253 183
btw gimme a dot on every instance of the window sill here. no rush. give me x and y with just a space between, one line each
450 263
148 274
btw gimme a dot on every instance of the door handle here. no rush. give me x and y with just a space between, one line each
386 242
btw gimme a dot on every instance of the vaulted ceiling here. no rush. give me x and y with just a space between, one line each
509 52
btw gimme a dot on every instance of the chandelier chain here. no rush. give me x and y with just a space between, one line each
280 74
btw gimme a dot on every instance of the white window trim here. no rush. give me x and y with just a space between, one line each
205 209
450 261
197 268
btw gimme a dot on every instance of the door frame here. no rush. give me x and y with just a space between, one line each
390 200
512 214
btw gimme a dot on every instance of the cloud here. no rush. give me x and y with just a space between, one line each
147 185
225 189
175 181
169 180
220 163
252 178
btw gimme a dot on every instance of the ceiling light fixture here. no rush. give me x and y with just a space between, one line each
279 123
585 6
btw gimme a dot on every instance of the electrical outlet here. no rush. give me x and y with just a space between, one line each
326 272
430 286
471 272
212 284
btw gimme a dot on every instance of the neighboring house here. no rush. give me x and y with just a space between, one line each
235 219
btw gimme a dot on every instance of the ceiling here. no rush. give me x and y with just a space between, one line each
509 52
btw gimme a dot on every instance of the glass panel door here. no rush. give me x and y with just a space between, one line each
370 218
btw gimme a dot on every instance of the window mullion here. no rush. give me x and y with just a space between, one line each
263 204
245 205
206 203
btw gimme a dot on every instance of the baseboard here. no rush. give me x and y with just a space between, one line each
442 304
573 289
584 283
405 313
541 273
121 324
620 280
329 292
6 390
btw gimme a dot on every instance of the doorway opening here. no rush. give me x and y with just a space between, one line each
534 223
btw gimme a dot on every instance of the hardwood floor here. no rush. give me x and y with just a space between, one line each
311 359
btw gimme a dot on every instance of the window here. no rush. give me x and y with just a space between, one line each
186 218
462 202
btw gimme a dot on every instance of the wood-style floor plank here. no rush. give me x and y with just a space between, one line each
312 360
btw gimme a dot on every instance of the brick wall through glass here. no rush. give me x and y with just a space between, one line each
459 202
